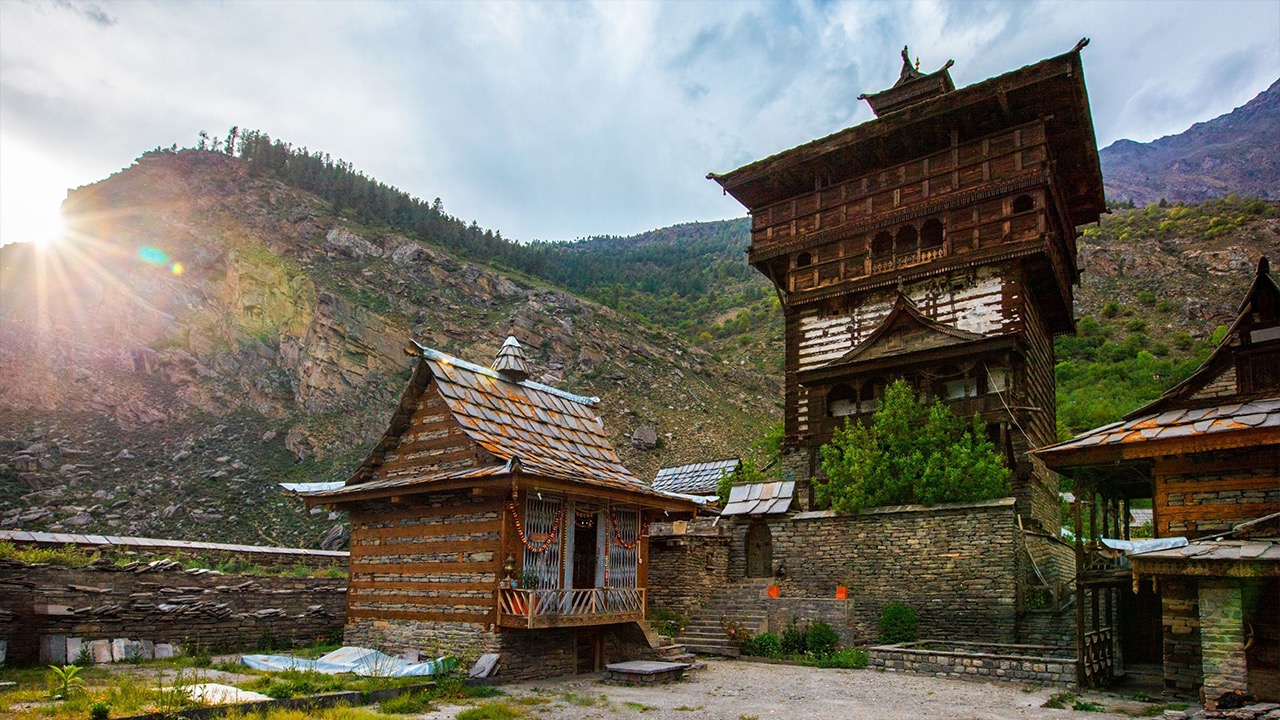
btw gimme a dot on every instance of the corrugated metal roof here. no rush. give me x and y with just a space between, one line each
695 479
771 498
1182 423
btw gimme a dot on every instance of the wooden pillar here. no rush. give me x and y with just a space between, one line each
1079 548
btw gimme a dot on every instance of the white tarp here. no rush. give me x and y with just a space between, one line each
1135 547
361 661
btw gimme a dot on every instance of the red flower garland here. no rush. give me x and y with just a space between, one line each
617 534
555 530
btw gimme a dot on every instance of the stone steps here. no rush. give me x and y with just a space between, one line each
741 603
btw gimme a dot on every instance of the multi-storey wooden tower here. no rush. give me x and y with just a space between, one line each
934 243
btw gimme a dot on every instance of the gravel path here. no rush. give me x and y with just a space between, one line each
732 690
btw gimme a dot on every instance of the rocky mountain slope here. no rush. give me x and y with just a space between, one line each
1236 153
206 334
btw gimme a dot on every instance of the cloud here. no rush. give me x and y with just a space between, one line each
87 10
559 120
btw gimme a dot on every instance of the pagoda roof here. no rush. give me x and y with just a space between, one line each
1052 89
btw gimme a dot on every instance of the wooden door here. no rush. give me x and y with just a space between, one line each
759 551
588 651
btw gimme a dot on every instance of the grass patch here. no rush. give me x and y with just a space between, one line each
1059 701
639 707
65 556
493 711
407 704
580 700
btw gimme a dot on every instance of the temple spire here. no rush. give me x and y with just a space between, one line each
510 362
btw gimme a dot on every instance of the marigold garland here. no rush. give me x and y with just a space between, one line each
555 530
617 534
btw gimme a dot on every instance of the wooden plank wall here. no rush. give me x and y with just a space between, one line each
433 442
431 558
964 167
1208 493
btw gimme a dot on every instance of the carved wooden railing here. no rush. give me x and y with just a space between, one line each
1096 660
558 608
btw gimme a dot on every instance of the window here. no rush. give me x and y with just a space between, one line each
1023 203
841 401
804 259
931 235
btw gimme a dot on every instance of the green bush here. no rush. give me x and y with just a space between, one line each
667 622
100 710
821 639
795 638
898 624
843 658
763 645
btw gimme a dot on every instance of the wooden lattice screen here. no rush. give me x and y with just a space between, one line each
541 518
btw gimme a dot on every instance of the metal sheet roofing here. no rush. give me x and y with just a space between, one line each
696 478
1217 551
771 498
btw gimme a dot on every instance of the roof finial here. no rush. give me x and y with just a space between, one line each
510 362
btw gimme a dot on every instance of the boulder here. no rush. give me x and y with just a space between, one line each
644 438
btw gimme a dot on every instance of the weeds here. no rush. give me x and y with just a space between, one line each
64 682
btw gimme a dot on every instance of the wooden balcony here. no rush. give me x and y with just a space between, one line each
518 608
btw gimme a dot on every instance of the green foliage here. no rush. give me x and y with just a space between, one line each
667 622
795 638
821 639
910 453
898 624
65 681
1059 701
100 710
844 658
747 472
65 556
492 711
763 645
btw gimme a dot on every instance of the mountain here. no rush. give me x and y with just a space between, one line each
1236 153
208 332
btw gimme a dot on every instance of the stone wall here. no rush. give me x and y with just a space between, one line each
686 568
146 549
957 565
1222 638
977 661
839 614
526 654
1180 603
163 604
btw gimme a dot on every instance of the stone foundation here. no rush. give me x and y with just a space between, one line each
1180 603
686 568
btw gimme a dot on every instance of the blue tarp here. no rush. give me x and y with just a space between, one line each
358 660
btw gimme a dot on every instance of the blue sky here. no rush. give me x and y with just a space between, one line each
556 120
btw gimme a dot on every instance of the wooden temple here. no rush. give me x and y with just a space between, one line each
1204 614
935 243
494 516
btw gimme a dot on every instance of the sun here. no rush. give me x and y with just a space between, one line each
31 193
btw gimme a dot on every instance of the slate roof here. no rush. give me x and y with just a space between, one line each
694 479
152 544
526 426
1179 423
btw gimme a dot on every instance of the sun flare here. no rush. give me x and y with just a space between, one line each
31 193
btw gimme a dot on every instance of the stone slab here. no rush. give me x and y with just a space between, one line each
164 651
53 649
645 667
74 645
219 694
485 666
101 650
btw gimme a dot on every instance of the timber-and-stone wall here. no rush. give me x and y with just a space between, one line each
162 604
1180 604
956 565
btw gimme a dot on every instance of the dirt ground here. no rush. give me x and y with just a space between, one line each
734 690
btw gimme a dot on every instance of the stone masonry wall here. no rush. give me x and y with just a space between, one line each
686 569
839 614
1180 602
957 565
526 654
1010 663
1222 638
164 604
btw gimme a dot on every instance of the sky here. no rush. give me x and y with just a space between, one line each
560 120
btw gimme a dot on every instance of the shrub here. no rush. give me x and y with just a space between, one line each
820 639
898 624
795 638
100 710
667 622
763 645
843 658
